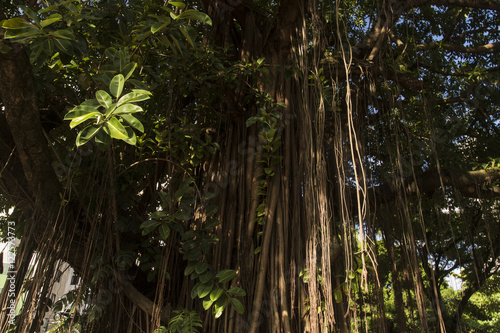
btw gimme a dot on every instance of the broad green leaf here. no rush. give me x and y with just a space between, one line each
201 267
36 51
177 4
183 30
110 110
32 14
194 291
47 9
195 15
79 111
148 226
87 134
238 307
129 69
226 275
18 23
183 190
104 98
51 19
63 34
164 231
338 295
207 303
133 121
134 96
250 121
131 137
207 276
103 140
235 291
204 289
116 85
77 121
215 294
115 129
127 109
158 26
190 268
20 34
64 46
219 306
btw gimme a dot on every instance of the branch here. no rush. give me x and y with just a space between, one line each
487 48
473 184
481 4
23 120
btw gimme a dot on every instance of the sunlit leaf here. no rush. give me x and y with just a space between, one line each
115 129
77 121
104 98
133 121
50 20
116 85
87 134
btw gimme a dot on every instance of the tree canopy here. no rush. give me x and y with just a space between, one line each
252 166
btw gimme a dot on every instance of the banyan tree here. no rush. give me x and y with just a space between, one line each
250 166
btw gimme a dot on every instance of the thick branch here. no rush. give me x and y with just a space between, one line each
21 113
481 4
474 184
487 48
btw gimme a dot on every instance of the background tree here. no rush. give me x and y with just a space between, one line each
266 166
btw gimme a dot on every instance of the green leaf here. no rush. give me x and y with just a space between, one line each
250 121
129 69
131 137
86 134
215 294
17 23
127 108
77 121
204 289
238 307
103 140
63 34
115 129
226 275
177 4
134 96
148 226
338 295
201 267
104 98
116 85
207 276
183 30
51 19
164 231
195 15
207 303
190 268
183 190
64 46
235 291
133 121
158 26
219 306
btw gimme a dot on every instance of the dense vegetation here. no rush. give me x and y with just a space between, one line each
253 166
